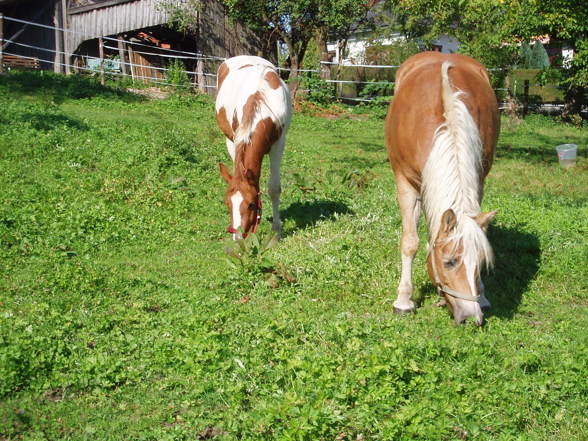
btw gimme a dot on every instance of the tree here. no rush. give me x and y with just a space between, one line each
296 22
525 55
336 20
539 57
566 22
492 30
476 24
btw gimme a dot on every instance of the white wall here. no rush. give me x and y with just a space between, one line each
356 47
449 45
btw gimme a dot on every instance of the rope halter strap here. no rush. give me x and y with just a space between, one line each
232 230
442 289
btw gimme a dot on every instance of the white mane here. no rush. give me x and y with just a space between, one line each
451 176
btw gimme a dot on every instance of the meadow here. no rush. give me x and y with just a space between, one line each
123 317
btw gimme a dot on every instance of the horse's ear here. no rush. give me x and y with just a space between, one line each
484 219
224 172
448 222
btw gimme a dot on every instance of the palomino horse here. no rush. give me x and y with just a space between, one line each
253 110
441 132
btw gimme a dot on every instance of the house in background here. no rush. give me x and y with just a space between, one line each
379 29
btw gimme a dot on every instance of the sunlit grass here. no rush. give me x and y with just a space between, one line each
121 316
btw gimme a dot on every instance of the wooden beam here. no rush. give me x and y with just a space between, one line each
200 74
121 54
132 62
526 98
82 9
67 59
59 59
101 52
1 42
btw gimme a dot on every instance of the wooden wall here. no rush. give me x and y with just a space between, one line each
220 36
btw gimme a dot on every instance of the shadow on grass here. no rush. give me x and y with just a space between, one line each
371 147
307 214
45 121
59 87
516 261
536 148
517 256
353 162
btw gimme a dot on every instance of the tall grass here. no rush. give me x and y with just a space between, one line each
121 317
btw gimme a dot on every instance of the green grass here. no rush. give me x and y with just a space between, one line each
122 318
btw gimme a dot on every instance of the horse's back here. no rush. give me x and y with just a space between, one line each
417 111
248 90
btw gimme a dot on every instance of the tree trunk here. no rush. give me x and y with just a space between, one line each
573 103
294 79
296 57
322 44
512 107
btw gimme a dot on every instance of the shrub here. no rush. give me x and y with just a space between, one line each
318 90
177 77
539 57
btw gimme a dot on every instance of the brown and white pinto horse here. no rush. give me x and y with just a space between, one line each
441 132
253 110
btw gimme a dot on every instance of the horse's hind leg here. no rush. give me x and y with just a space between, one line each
410 207
274 187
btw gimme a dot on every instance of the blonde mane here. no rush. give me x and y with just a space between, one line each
451 176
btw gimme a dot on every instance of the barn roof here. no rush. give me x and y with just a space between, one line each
112 17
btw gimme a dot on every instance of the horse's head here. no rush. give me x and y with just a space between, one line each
455 260
243 200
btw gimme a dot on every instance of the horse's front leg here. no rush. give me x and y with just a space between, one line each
274 186
231 148
410 207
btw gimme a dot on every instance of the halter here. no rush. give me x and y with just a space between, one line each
232 230
444 289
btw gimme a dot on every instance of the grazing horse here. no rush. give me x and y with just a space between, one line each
441 132
253 111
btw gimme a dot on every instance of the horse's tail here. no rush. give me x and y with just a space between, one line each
255 103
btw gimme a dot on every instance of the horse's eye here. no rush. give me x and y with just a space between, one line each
450 263
252 206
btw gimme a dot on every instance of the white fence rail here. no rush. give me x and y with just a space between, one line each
119 61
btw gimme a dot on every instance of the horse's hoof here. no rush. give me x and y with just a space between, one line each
404 311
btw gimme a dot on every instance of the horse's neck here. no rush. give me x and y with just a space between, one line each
251 159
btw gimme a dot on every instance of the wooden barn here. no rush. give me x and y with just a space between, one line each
133 35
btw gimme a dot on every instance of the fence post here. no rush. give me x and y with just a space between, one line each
526 99
131 61
121 54
67 58
59 59
200 74
1 43
101 51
